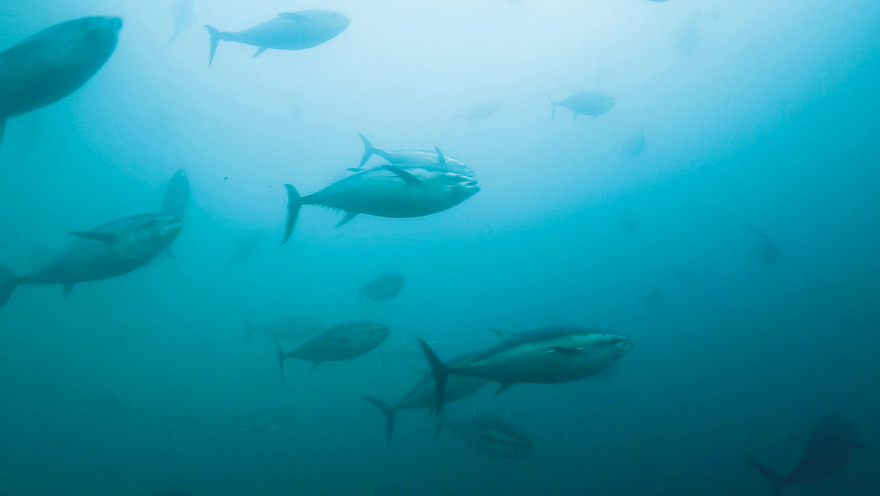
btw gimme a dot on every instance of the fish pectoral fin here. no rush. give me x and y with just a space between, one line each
406 176
102 237
260 51
68 287
348 217
504 386
562 350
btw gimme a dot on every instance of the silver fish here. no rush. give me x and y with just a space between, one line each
339 343
436 160
493 436
592 103
53 63
245 248
289 31
292 328
383 287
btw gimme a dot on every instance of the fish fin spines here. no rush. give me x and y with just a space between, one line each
369 150
216 36
441 158
294 203
775 480
8 283
388 411
441 375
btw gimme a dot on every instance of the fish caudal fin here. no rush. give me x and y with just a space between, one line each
249 332
369 150
552 106
294 203
281 358
389 413
775 480
441 375
216 36
8 283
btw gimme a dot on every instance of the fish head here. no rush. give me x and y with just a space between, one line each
604 348
153 234
457 187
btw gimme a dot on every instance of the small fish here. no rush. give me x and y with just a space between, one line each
183 14
53 63
108 251
435 161
383 287
491 435
246 247
829 446
387 191
634 146
292 328
289 31
339 343
592 103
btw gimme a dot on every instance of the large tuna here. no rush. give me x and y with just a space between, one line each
433 160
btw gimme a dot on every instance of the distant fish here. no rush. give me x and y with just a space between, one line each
766 251
245 248
829 446
634 146
342 342
548 355
292 328
493 436
436 160
387 191
480 110
183 14
108 251
383 287
289 31
53 63
592 103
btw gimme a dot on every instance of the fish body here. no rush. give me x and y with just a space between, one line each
107 251
245 248
386 191
290 328
383 287
339 343
53 63
493 436
428 160
176 198
288 31
592 103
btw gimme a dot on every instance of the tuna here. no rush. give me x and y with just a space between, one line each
387 191
491 435
53 63
289 31
592 103
383 287
108 251
291 328
339 343
435 160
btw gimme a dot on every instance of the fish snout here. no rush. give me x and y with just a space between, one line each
623 343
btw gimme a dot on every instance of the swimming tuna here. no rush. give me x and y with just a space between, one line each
436 160
245 248
387 191
548 355
108 251
829 446
422 395
383 287
493 436
53 63
292 328
288 31
342 342
592 103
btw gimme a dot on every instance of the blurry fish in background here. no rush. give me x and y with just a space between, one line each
766 251
435 160
339 343
491 435
634 146
383 287
289 31
175 199
108 251
387 191
829 446
690 35
592 103
290 328
479 110
183 15
245 248
53 63
630 221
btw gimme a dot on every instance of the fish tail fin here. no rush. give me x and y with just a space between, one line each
441 374
249 332
216 36
8 283
281 357
294 203
369 150
389 413
553 105
778 482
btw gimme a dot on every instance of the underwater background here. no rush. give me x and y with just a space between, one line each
755 114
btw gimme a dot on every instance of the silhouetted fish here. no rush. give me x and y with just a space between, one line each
342 342
493 436
289 31
592 103
53 63
183 14
383 287
407 159
245 248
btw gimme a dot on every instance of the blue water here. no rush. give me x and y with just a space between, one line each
754 113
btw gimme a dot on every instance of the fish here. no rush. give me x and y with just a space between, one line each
830 444
634 146
183 14
491 435
288 31
53 63
339 343
548 355
422 395
291 328
766 251
245 248
436 160
383 287
387 191
592 103
108 251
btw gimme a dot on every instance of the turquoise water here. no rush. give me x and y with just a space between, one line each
754 113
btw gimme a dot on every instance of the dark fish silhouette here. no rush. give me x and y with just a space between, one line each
245 248
766 251
829 446
53 63
491 435
592 103
342 342
383 287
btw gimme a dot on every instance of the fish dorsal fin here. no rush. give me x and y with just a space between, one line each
348 217
260 51
504 386
562 350
106 238
406 176
441 159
